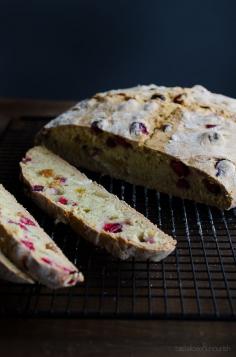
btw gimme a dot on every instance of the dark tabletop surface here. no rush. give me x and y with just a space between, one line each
78 337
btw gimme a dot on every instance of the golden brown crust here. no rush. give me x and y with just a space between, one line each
9 272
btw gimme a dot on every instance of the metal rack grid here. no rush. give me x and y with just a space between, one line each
198 281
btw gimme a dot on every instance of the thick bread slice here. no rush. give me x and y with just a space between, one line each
27 246
8 271
90 210
181 141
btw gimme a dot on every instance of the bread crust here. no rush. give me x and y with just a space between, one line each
9 272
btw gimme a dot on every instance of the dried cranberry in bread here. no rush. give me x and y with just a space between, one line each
8 271
30 249
90 210
181 141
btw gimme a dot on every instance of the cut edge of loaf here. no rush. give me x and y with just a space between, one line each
79 154
117 246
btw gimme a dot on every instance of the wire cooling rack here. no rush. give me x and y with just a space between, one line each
197 281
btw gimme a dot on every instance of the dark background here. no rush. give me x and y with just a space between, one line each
70 49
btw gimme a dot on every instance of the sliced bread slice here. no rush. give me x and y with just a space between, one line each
8 271
28 247
99 216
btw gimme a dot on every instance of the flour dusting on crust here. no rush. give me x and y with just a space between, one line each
203 134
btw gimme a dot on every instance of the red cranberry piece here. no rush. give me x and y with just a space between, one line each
138 128
26 159
183 183
37 188
74 204
212 187
95 126
22 226
63 180
209 126
68 270
112 227
28 244
46 260
179 168
70 282
151 240
63 200
27 221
